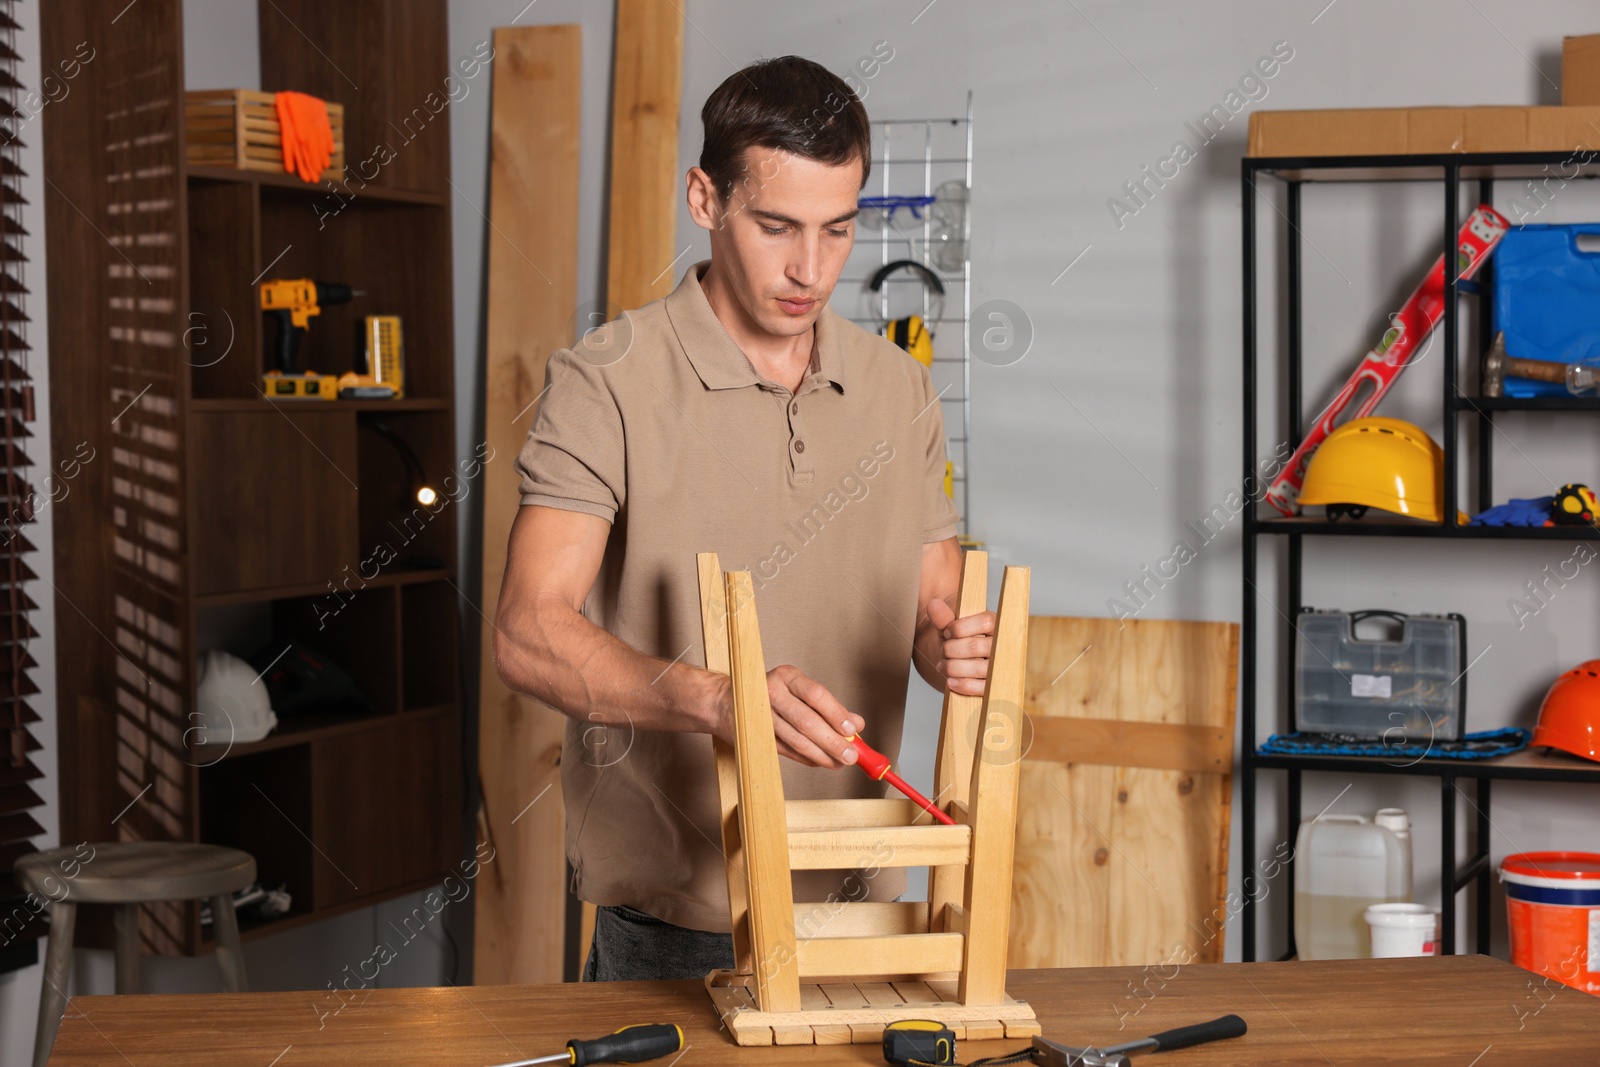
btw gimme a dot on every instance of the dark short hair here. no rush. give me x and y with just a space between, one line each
786 103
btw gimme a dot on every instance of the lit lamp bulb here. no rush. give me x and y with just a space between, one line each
426 496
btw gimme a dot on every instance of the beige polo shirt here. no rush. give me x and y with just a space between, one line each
658 423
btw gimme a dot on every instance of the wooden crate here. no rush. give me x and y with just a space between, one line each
239 128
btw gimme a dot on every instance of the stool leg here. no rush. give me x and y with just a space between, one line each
57 973
230 953
126 920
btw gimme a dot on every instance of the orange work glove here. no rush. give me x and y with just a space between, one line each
306 133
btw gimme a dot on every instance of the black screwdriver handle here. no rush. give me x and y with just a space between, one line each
1199 1033
631 1044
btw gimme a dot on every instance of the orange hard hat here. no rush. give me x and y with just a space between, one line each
1569 718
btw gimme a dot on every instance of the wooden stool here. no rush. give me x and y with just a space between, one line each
128 874
845 969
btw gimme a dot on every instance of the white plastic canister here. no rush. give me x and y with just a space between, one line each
1343 864
1397 821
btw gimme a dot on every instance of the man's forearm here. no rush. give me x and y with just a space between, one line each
554 654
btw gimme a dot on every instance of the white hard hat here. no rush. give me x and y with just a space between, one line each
231 701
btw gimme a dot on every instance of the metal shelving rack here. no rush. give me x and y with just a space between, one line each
1451 172
945 153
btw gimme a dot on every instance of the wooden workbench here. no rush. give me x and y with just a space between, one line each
1461 1011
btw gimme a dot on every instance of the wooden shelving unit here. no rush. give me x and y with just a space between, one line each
213 517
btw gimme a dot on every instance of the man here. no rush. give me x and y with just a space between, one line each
738 415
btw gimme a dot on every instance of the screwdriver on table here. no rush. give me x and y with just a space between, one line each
876 764
631 1044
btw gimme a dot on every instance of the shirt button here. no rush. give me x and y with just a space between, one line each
799 446
794 409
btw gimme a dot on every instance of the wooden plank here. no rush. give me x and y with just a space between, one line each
1112 743
1124 865
985 1030
647 81
736 1010
958 730
850 1008
880 994
761 812
533 202
813 1000
850 814
714 635
915 992
993 798
792 1034
877 956
909 846
862 918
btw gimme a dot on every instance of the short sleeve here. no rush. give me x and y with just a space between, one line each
940 520
573 458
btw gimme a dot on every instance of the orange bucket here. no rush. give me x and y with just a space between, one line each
1553 912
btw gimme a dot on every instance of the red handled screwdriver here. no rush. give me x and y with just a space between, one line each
876 764
631 1044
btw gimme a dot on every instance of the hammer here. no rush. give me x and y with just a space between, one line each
1496 365
1049 1054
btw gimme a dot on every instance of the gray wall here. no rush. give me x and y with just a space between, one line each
1142 333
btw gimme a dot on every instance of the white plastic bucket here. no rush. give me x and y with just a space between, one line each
1403 930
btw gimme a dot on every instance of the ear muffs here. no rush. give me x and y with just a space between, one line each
912 335
935 306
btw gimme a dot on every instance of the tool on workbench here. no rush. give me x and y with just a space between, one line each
876 764
631 1044
1050 1054
919 1043
926 1043
383 377
292 303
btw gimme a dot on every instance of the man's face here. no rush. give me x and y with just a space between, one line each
782 238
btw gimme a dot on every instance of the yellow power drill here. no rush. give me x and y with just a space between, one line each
292 302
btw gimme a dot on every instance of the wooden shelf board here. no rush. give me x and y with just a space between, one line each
420 576
290 182
250 404
1530 764
255 929
304 730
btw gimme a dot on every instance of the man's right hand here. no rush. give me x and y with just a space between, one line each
810 725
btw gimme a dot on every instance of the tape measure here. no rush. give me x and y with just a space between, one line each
919 1043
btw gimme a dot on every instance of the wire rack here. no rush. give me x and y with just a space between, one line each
913 157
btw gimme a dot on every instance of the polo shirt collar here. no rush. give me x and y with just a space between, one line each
722 364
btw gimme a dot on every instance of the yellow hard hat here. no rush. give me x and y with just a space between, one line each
1379 463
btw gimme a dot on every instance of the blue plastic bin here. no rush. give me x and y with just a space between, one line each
1547 298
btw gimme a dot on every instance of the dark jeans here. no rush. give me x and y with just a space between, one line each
630 946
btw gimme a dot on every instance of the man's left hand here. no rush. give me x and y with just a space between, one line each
965 645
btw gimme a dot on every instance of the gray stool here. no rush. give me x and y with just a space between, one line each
128 874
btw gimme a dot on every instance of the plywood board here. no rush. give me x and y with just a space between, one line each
533 268
1125 865
647 83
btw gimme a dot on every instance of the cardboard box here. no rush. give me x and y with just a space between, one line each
1385 131
1580 71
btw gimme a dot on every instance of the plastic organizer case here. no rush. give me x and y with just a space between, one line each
1408 684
